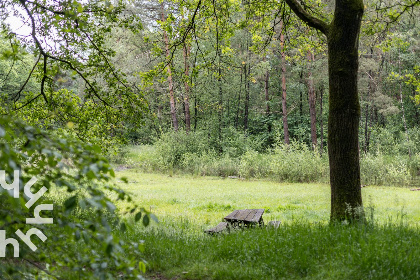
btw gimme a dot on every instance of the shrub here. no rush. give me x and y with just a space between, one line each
385 170
297 163
254 165
173 146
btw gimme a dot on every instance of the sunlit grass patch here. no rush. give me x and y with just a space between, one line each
305 245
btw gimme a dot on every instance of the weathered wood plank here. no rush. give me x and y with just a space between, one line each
219 228
243 214
257 216
232 215
250 215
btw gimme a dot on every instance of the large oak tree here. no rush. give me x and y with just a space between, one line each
343 122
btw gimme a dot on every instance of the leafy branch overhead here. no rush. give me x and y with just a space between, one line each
71 36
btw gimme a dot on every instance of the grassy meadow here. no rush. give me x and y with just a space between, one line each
304 246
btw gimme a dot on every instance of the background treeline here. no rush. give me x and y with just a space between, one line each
245 100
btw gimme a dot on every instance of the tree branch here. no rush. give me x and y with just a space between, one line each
17 95
307 17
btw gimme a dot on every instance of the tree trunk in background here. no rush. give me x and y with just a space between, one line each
367 112
195 111
247 68
187 89
321 118
312 100
301 98
246 107
283 87
402 106
267 100
171 85
239 102
219 80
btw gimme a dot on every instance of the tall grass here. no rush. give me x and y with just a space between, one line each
294 251
195 154
304 246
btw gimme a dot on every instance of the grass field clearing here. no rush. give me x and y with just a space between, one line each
305 245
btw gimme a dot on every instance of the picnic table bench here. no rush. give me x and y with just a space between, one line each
239 218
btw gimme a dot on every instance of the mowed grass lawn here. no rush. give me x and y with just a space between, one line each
305 246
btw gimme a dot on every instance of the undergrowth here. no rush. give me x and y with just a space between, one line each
185 154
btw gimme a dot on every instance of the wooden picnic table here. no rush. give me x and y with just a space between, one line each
245 217
239 218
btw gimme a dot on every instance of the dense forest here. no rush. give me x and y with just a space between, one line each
258 71
287 91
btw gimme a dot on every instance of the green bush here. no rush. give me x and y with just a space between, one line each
297 163
389 142
173 146
387 163
254 165
380 169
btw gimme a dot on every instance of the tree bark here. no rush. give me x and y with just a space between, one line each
219 81
321 118
239 102
312 100
187 89
171 84
247 68
283 87
267 100
344 112
402 106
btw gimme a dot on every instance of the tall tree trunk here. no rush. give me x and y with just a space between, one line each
344 111
283 87
239 101
312 100
321 118
187 88
219 81
195 111
171 85
267 101
247 68
301 98
402 106
367 111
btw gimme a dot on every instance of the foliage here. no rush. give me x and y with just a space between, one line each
67 44
82 239
387 162
67 114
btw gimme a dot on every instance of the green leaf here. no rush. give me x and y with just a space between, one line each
137 217
146 220
79 8
77 235
70 203
142 267
109 249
